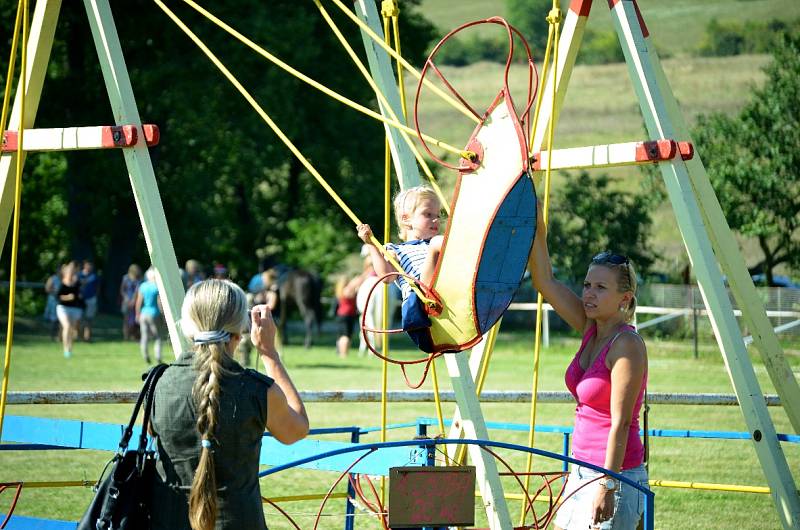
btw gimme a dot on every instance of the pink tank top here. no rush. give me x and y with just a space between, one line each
592 391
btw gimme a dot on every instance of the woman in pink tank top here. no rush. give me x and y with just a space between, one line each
607 377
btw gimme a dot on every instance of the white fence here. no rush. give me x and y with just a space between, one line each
669 302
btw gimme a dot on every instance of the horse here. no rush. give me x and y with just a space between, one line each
302 289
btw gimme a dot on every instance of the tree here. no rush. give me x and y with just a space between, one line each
753 162
229 187
588 217
530 18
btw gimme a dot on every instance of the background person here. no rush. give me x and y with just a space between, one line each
148 313
346 290
261 292
70 306
607 377
192 273
220 271
209 415
128 287
89 284
51 286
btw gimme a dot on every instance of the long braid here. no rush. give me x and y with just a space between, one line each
205 392
212 305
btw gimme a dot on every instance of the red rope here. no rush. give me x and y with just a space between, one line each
355 481
403 363
336 482
4 487
274 505
532 87
381 508
546 518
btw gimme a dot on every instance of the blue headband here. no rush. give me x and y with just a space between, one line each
211 337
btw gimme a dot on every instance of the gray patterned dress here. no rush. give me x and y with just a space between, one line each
241 424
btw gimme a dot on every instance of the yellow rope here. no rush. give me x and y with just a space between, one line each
378 40
319 86
10 76
554 19
436 398
384 103
709 486
12 289
57 484
278 132
387 185
309 497
316 84
396 30
542 82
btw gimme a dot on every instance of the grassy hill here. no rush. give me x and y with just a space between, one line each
600 106
677 26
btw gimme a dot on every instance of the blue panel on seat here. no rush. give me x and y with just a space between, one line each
505 254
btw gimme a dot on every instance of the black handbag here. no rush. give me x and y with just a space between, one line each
122 498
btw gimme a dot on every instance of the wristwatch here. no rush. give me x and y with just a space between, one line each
609 483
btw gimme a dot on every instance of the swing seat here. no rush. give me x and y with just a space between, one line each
489 235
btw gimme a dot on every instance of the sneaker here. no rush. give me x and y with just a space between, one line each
67 354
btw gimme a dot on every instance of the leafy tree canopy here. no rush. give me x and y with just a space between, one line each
588 216
530 17
753 161
230 189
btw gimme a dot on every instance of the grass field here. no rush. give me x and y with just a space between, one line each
677 26
38 365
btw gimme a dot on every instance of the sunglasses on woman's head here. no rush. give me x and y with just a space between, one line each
610 257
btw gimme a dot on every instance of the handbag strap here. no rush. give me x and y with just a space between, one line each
153 373
148 404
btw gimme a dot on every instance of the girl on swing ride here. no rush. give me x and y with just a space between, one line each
470 274
417 211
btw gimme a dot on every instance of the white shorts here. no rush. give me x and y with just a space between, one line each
575 512
68 314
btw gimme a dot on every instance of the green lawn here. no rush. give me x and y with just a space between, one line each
38 364
677 26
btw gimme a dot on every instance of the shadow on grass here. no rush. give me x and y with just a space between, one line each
329 366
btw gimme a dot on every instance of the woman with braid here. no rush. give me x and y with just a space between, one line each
209 415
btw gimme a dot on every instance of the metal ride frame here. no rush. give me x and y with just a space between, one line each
709 242
708 239
33 433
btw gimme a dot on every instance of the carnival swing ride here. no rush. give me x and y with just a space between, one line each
492 219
